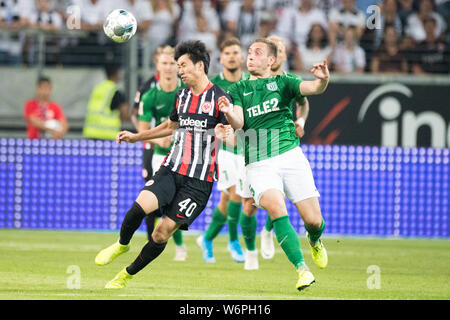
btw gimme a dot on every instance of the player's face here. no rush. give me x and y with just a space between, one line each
281 56
188 71
231 57
166 66
258 59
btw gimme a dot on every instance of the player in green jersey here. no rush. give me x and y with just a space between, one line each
157 104
300 111
276 167
231 165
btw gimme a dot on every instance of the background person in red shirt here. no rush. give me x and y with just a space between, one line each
45 119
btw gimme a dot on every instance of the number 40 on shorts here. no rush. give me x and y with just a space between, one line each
188 206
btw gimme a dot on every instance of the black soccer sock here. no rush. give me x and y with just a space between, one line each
131 223
150 222
148 253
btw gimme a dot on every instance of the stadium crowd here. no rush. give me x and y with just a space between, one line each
355 36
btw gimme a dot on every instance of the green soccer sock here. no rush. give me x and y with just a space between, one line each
218 221
178 237
233 210
269 224
248 226
314 233
288 240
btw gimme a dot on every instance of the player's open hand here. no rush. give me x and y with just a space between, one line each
125 136
320 70
224 105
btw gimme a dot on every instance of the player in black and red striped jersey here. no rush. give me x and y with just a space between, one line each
180 189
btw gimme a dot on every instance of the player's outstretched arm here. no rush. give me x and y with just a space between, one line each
234 114
318 86
163 130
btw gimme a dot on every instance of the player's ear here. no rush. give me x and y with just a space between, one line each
272 60
199 66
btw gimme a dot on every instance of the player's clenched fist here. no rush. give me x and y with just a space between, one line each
224 105
125 136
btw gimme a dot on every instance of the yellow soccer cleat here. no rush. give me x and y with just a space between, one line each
107 255
120 280
319 254
305 279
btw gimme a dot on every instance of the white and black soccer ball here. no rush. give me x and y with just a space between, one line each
120 25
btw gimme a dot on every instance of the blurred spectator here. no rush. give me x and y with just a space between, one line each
188 22
295 25
389 58
315 49
348 16
432 55
243 20
13 17
327 5
94 48
107 108
93 13
267 24
388 16
277 6
165 16
349 57
415 22
204 34
142 11
443 7
221 7
45 17
405 9
44 118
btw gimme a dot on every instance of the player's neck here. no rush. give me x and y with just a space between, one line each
232 76
168 84
264 74
200 86
278 72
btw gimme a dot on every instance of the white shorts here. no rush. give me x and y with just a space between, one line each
231 171
289 173
157 160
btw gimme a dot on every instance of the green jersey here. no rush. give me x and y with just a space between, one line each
158 104
224 84
267 105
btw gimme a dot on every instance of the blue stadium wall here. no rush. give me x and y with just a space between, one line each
90 185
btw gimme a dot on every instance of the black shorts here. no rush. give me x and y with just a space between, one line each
147 170
180 198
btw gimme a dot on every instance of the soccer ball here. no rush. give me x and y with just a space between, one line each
120 25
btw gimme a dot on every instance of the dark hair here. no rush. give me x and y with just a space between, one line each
111 70
233 41
323 42
273 49
196 50
43 79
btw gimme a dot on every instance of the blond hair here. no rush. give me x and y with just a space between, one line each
276 39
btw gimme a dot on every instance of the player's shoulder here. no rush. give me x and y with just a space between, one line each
149 94
292 75
216 79
219 91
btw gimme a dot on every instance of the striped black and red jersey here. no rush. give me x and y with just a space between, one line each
195 148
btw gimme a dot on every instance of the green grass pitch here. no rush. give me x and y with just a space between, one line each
37 265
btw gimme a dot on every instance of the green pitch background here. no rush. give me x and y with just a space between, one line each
37 265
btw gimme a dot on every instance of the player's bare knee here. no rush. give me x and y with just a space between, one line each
248 207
